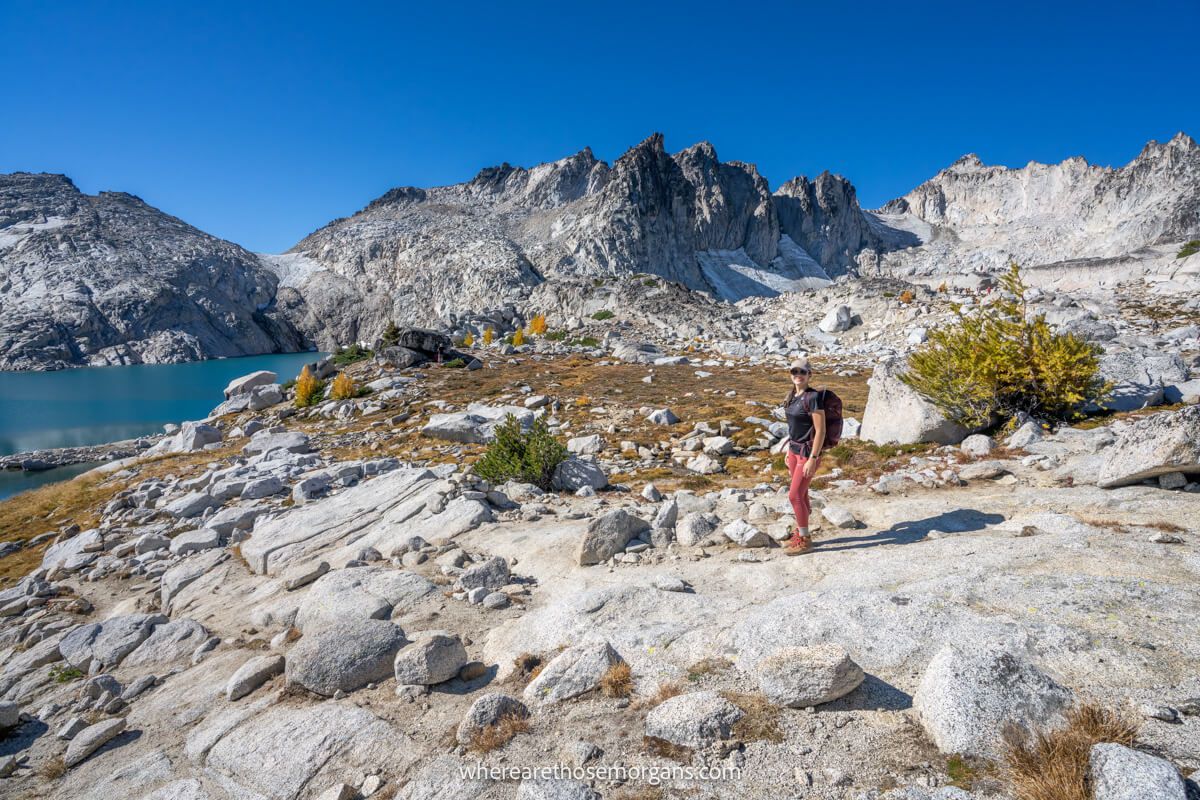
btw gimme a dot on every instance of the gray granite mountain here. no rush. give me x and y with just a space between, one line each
415 255
1068 216
108 279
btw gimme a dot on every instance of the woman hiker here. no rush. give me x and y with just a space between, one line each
806 434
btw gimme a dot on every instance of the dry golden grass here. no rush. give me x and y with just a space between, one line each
661 748
1166 527
617 681
493 737
1106 524
53 769
665 691
707 666
526 667
1052 764
761 720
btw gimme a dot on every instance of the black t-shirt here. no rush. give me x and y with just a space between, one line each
799 416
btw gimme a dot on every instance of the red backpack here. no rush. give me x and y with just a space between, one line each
833 415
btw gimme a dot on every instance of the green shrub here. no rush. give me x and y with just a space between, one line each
999 361
603 315
351 354
525 456
587 341
391 335
455 363
650 282
556 336
1189 249
64 674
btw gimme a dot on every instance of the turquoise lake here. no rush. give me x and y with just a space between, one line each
94 405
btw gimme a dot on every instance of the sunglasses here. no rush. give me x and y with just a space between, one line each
800 372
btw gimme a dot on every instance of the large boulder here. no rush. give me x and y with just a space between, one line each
432 657
572 672
91 739
1118 773
1139 378
425 341
969 694
896 414
265 442
574 473
607 535
245 383
799 677
490 574
476 425
1156 445
696 720
194 436
345 657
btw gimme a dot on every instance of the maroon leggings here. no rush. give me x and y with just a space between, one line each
798 493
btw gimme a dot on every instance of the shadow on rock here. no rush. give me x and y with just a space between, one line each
873 694
963 520
22 737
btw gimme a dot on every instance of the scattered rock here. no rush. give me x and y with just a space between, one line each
487 711
607 535
253 674
572 672
696 719
344 657
1119 773
432 657
799 677
91 739
968 695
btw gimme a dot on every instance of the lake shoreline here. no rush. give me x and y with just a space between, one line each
52 458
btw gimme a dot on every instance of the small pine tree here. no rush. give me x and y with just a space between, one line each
343 387
489 334
468 340
518 338
1001 360
528 457
391 335
537 325
308 388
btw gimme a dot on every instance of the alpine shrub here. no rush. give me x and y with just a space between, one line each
537 325
391 335
518 337
1000 360
525 456
603 314
1189 249
308 388
343 387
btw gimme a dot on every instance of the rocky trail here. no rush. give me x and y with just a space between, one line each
327 602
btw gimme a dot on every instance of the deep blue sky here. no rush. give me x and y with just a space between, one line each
260 122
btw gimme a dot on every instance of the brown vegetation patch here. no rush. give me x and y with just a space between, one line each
1052 764
761 720
661 748
707 666
493 737
617 681
665 691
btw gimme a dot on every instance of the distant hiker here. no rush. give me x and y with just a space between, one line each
814 419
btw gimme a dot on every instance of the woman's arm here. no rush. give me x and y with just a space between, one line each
818 442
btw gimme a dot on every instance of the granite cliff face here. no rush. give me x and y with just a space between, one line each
420 254
108 279
973 217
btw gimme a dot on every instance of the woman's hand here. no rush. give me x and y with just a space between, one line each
810 467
